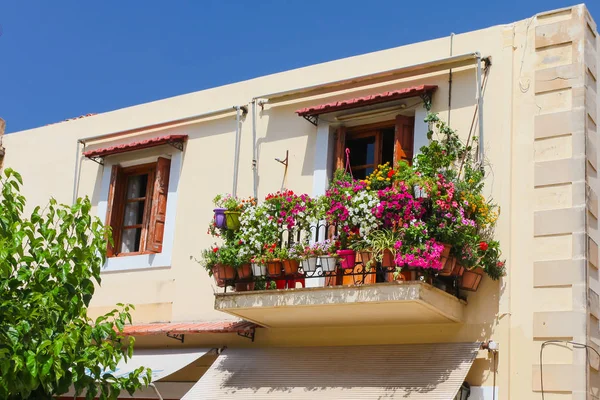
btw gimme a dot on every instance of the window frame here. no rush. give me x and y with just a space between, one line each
119 207
402 135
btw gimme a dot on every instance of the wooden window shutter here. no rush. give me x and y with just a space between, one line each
339 150
114 208
156 227
404 139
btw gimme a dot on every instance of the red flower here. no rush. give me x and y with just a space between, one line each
391 173
483 246
215 249
241 242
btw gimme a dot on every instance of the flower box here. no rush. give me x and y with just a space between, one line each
274 268
290 267
245 271
471 279
223 273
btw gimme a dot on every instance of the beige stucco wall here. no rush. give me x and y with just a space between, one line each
540 140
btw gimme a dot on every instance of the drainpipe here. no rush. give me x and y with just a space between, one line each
481 153
254 163
236 156
450 80
76 173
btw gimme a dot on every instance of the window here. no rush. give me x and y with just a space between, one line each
137 202
371 145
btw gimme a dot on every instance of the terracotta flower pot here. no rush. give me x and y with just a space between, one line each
245 271
290 267
223 273
471 279
233 220
274 268
348 258
244 286
220 217
445 254
366 258
387 260
458 269
449 267
405 275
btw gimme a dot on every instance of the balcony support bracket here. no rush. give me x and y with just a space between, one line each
97 160
313 119
248 334
176 336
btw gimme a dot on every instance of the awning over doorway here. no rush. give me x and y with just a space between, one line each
415 371
162 362
366 100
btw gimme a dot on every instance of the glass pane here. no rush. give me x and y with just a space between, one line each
130 240
134 213
362 151
136 186
387 145
362 173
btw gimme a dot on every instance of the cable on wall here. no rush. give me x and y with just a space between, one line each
566 342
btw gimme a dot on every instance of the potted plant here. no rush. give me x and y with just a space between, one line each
364 249
220 263
290 259
326 250
480 258
244 269
383 243
258 267
308 259
270 260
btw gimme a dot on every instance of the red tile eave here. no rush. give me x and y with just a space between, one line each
188 328
139 145
367 100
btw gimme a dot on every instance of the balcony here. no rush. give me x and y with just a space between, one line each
407 302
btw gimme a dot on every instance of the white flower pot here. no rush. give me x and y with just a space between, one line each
309 264
328 264
259 269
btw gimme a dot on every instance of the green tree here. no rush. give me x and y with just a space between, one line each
48 264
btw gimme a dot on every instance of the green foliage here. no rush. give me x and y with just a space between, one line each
49 263
445 152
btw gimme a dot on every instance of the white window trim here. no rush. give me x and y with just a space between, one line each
145 261
484 393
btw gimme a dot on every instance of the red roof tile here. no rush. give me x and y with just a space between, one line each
143 144
366 100
188 328
73 119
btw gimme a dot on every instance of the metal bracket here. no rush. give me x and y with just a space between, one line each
177 144
426 97
248 334
97 160
313 119
176 336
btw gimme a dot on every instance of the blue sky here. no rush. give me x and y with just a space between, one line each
61 59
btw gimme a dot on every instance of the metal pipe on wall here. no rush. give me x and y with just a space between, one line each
236 157
254 162
481 153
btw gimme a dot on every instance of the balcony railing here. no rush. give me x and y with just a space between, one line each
328 271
